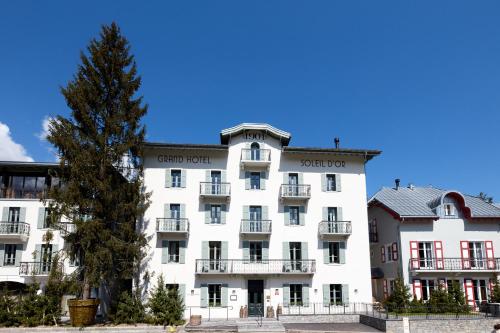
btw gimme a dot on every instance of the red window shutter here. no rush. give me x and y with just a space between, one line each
385 289
469 292
394 251
490 256
382 253
417 289
464 253
415 262
438 252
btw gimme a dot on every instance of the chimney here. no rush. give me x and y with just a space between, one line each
337 143
397 181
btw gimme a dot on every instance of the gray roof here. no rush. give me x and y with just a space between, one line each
367 153
419 202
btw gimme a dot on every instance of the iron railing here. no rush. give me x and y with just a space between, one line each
35 268
295 191
256 155
172 224
244 266
207 311
255 226
335 228
215 189
454 264
14 228
13 193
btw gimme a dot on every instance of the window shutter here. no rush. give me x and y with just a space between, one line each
166 210
490 256
438 253
22 214
302 215
285 178
324 216
265 213
464 252
340 214
246 250
41 218
182 293
223 176
38 252
55 249
246 212
224 250
345 293
204 250
183 177
208 209
300 178
286 251
286 294
183 211
338 184
203 295
168 178
304 250
342 247
262 180
208 176
326 253
224 294
324 181
265 250
417 289
223 212
247 180
2 254
305 294
164 251
382 253
5 214
182 252
286 211
415 263
19 254
394 251
326 294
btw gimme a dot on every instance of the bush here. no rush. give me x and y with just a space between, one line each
8 309
399 300
495 293
165 304
130 309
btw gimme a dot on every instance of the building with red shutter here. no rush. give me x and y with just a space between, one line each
433 237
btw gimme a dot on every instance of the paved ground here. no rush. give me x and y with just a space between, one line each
329 327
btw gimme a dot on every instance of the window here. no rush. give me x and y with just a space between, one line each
330 183
173 251
425 250
480 292
47 221
453 283
255 180
216 180
427 288
392 283
336 294
214 294
255 251
332 214
295 294
172 286
215 214
175 211
296 255
390 255
214 249
46 257
294 215
476 254
10 255
372 225
449 210
334 252
255 151
176 178
14 214
255 218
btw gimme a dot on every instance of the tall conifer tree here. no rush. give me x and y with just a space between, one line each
99 147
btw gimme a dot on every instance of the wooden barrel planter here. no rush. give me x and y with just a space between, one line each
195 320
82 312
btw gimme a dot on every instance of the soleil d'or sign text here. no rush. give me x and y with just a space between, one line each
322 163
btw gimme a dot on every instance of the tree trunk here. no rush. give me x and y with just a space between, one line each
86 288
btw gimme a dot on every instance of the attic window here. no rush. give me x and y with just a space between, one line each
449 210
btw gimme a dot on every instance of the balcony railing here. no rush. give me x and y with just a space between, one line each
172 225
327 228
35 268
295 191
255 226
13 193
14 229
66 227
255 156
241 266
454 264
208 189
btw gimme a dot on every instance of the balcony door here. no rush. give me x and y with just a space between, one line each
332 218
293 180
46 257
14 215
215 250
216 179
255 251
476 254
296 256
425 255
255 298
255 152
175 214
255 218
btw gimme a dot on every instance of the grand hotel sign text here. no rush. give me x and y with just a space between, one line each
194 159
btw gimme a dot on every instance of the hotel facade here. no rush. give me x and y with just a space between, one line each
255 222
432 237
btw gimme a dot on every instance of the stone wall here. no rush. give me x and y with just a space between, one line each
384 325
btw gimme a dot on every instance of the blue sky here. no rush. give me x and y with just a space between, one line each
419 80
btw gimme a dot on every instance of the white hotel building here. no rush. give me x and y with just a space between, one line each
255 222
431 237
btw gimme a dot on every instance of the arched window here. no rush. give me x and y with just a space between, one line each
255 151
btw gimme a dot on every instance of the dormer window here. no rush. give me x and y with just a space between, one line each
449 210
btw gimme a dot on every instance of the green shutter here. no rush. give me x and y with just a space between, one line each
323 182
262 180
166 210
246 212
19 254
204 295
286 294
55 249
22 214
183 178
204 250
182 293
286 214
246 250
224 254
326 294
224 294
339 216
5 214
208 176
302 215
300 178
265 213
223 176
342 252
304 250
345 293
38 252
305 294
285 177
41 218
286 251
338 184
223 212
182 252
265 250
168 178
324 216
208 208
247 180
2 254
164 251
183 211
326 253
